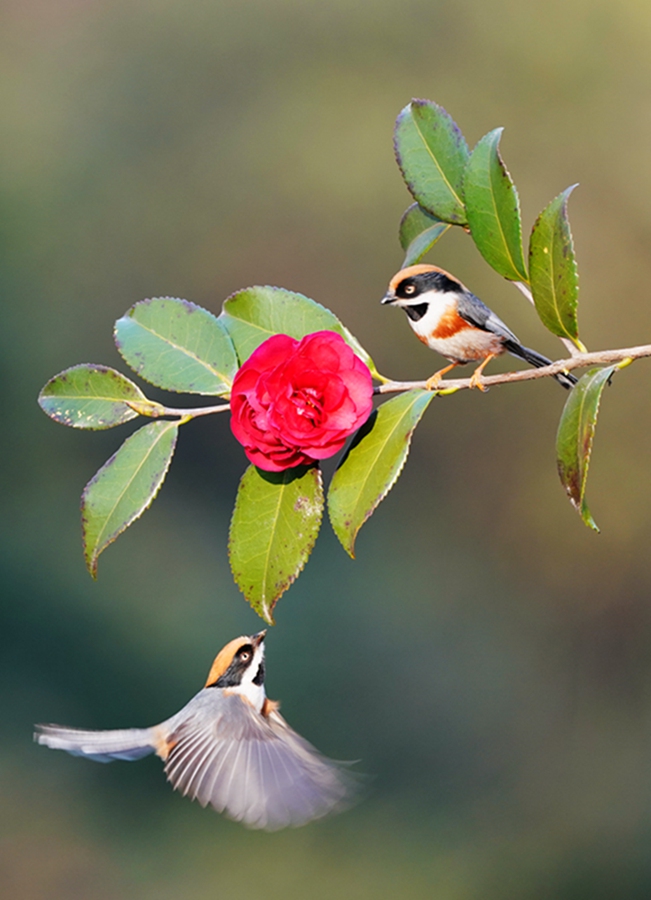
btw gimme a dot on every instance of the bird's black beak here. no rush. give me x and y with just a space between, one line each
258 638
388 298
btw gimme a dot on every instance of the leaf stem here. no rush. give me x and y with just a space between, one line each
184 414
578 360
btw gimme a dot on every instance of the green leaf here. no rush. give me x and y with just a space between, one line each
553 273
373 463
274 526
252 315
432 154
576 434
419 231
493 209
125 487
92 396
178 346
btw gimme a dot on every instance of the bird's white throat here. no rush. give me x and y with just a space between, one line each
254 693
438 304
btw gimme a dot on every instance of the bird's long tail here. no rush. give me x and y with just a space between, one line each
102 746
538 360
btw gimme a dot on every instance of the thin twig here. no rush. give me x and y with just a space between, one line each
157 410
600 357
196 412
447 385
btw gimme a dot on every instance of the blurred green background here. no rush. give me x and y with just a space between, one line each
487 658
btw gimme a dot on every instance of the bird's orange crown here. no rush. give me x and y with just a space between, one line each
420 269
224 658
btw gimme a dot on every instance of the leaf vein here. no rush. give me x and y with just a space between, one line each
437 164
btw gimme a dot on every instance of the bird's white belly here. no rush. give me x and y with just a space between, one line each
467 345
444 330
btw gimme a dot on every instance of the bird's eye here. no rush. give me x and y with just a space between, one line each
410 289
245 657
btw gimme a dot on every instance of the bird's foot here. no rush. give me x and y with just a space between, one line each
433 382
477 382
476 377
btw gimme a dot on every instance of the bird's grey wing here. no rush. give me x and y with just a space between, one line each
102 746
473 310
257 770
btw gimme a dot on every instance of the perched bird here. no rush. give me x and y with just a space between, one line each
228 747
447 317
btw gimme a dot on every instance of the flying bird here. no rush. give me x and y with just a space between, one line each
228 747
447 317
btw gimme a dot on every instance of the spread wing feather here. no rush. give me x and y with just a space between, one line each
102 746
257 770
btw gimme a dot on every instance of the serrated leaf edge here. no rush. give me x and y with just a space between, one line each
398 156
405 216
564 205
92 558
228 382
267 610
381 496
97 367
523 276
411 256
580 505
583 509
350 338
270 287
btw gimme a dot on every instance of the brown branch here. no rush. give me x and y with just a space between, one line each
601 357
448 385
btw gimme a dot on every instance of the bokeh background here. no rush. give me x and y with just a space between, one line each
487 658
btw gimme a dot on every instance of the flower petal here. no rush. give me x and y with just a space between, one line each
293 402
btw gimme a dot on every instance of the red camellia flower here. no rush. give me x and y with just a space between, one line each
294 402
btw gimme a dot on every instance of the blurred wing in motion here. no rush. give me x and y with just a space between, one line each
256 769
102 746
